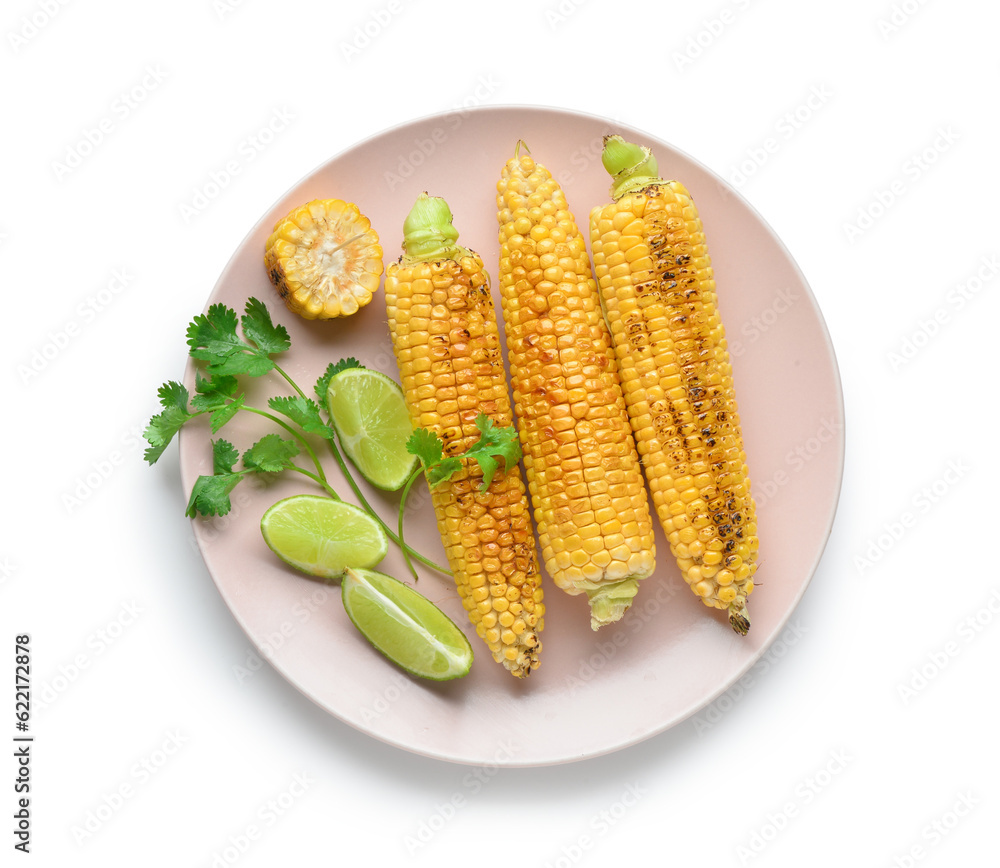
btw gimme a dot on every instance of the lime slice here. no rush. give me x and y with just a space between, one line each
322 536
370 416
405 626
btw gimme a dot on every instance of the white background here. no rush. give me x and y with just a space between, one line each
872 740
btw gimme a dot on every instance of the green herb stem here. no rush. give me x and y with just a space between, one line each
288 379
397 538
301 439
402 505
316 478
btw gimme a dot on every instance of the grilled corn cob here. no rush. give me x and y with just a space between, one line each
447 344
656 280
324 258
586 485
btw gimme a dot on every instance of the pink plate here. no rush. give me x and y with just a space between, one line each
594 692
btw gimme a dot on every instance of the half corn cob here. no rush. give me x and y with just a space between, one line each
447 344
656 279
583 472
324 259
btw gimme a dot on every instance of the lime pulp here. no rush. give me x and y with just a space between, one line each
322 536
372 423
405 626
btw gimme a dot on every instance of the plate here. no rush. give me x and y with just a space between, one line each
670 656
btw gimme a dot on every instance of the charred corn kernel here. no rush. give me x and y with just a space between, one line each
324 258
568 400
661 304
487 536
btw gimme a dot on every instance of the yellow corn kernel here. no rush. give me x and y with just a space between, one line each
662 309
579 454
487 535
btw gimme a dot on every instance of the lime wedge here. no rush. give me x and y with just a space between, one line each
370 416
322 536
405 626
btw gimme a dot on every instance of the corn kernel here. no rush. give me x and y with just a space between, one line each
727 594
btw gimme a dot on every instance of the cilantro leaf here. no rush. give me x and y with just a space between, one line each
249 363
209 401
429 448
222 414
224 456
173 395
334 368
212 336
270 454
164 425
443 470
160 431
257 327
213 392
210 494
217 395
494 442
426 445
304 412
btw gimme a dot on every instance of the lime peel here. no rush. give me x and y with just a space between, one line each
405 627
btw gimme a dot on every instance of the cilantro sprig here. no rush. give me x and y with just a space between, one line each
210 494
225 348
495 445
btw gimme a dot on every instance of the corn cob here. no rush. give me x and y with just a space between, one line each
583 472
655 276
324 259
447 344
